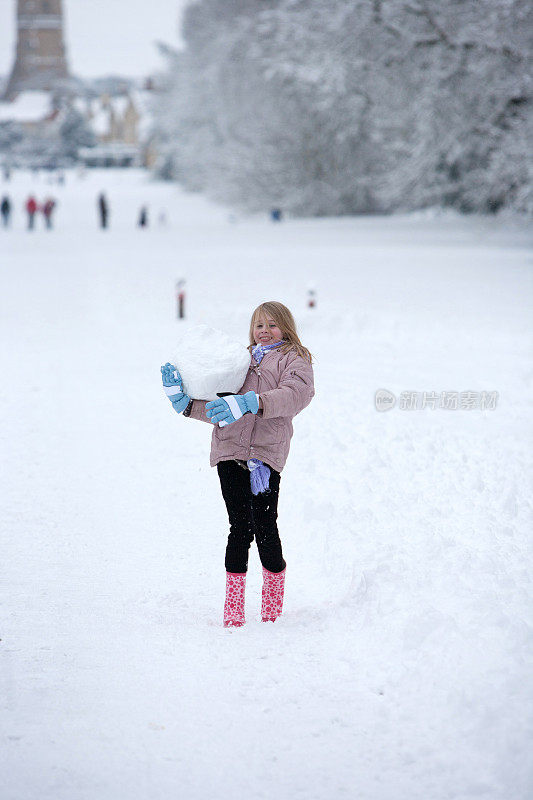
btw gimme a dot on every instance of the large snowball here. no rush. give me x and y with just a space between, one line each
210 362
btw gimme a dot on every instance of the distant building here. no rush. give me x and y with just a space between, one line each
36 108
40 60
112 118
31 126
31 110
120 124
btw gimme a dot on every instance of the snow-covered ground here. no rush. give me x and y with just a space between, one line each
401 669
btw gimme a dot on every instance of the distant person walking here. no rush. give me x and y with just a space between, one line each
103 210
143 218
48 210
31 210
5 210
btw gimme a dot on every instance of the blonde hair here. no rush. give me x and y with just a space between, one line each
285 322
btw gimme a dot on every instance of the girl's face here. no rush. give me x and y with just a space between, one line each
266 331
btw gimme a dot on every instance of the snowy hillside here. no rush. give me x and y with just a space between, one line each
401 668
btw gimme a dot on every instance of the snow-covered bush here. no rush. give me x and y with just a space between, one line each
11 134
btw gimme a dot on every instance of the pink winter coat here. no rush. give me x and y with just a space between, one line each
284 382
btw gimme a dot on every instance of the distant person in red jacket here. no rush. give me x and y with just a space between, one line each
48 210
31 210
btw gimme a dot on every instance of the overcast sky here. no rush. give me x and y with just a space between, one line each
105 36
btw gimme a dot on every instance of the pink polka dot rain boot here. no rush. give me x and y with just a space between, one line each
272 597
234 605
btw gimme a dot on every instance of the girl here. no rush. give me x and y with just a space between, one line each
250 448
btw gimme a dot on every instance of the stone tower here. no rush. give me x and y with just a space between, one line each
40 60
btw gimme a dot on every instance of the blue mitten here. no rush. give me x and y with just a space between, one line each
172 386
228 409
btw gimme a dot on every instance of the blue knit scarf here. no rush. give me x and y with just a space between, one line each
259 472
260 350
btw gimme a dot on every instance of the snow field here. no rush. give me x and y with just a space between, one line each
401 667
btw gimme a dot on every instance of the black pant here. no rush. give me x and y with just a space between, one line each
250 516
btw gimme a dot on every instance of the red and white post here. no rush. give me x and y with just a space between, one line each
180 299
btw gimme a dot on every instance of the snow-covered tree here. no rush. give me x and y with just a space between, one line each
75 132
329 107
11 134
